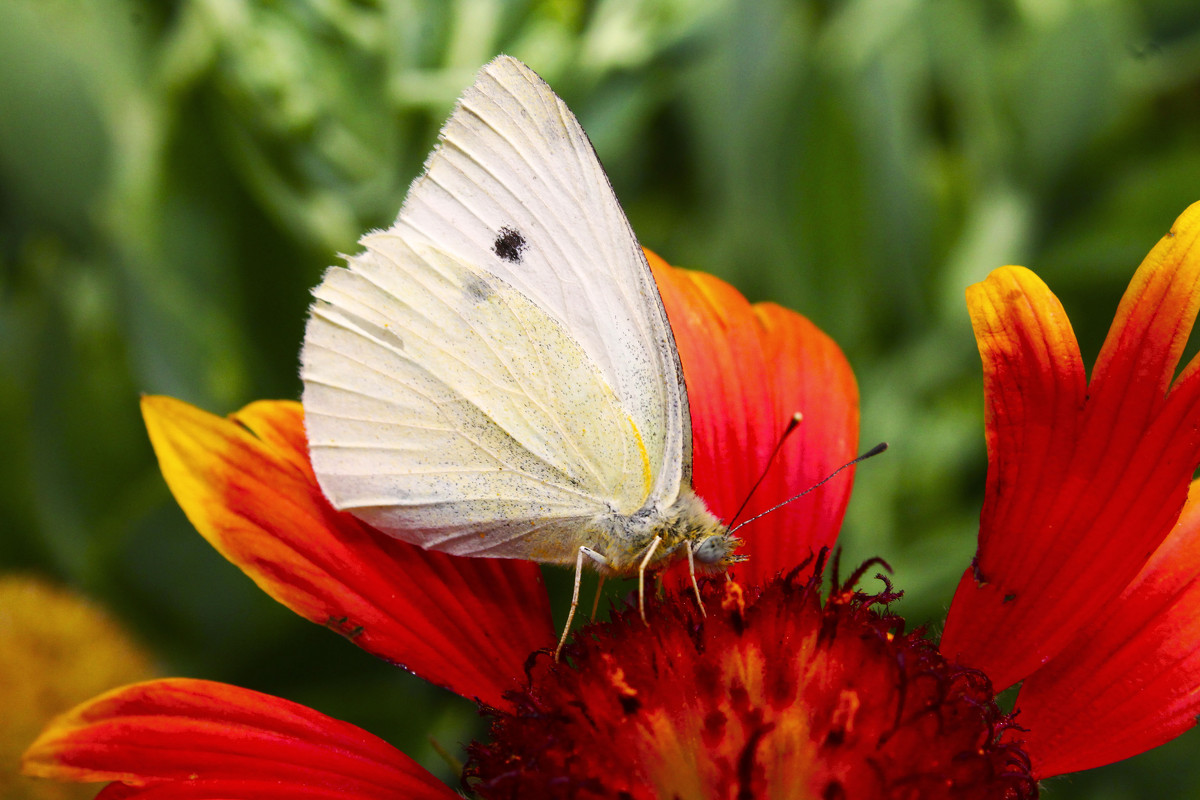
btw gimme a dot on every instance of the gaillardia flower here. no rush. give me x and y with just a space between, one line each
794 684
1085 581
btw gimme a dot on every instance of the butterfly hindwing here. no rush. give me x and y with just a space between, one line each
455 411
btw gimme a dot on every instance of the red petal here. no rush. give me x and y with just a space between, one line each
1131 680
204 733
245 482
1082 487
748 370
225 790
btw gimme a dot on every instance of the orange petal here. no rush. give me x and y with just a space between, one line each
246 484
192 738
1131 680
1151 328
749 369
1081 486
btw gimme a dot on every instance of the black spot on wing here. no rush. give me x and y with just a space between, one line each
510 245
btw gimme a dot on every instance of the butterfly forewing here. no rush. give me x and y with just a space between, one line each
516 188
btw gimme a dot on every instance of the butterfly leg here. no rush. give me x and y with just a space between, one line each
599 559
692 574
642 577
574 602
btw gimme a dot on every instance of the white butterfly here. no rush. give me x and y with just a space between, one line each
494 375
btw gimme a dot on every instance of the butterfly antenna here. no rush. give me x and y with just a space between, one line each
874 451
793 423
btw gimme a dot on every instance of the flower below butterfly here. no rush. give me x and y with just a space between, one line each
782 690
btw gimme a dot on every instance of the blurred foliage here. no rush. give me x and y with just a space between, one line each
175 175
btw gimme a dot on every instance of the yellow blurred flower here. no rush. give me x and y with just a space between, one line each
56 649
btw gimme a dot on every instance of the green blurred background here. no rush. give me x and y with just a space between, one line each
175 176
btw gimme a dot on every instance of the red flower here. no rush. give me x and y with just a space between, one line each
466 624
776 693
1086 478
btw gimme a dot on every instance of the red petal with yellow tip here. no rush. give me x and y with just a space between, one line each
749 369
1131 680
199 739
245 483
1083 484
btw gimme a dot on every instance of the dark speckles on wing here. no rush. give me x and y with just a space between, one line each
478 289
510 245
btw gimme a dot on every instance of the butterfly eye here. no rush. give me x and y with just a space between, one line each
714 549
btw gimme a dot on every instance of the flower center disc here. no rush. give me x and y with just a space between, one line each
775 694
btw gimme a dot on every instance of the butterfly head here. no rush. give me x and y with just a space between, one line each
716 551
